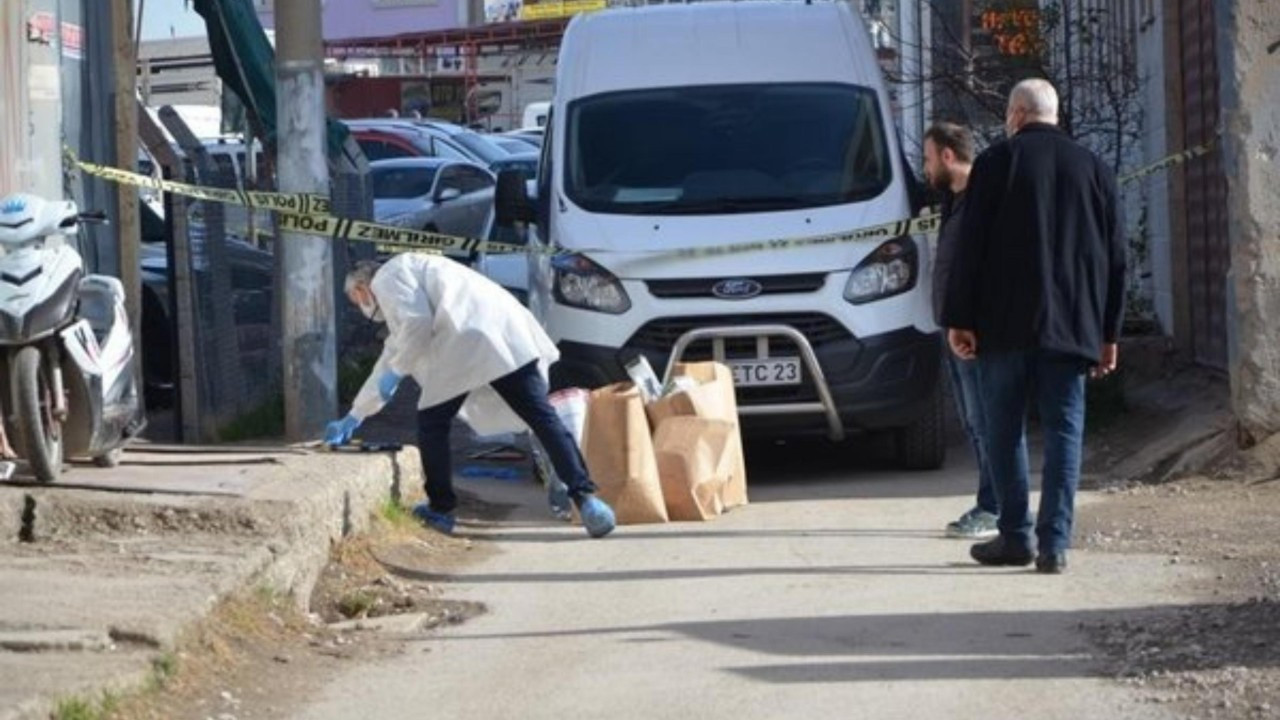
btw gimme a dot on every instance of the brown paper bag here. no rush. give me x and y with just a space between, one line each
714 399
694 463
619 453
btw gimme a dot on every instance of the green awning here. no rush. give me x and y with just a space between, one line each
246 63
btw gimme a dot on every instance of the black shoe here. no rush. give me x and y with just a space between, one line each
1000 553
1051 563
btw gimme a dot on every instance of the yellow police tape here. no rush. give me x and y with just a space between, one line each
309 214
302 203
1168 162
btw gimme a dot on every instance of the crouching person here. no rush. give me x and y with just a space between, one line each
475 351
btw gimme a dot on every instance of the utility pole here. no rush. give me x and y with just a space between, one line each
306 284
128 227
1248 45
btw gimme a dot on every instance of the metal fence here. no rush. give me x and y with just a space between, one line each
210 329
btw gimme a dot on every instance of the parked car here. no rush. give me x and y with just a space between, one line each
384 139
514 145
510 270
388 139
481 148
736 133
533 136
432 194
526 163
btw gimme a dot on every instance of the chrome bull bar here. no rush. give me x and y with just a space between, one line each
762 333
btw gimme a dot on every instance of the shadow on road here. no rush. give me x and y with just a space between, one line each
613 576
925 646
704 531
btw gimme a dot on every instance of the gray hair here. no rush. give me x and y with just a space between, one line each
361 274
1038 98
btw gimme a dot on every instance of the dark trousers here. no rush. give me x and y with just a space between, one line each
968 391
525 391
1056 383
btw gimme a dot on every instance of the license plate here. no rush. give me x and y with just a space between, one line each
763 373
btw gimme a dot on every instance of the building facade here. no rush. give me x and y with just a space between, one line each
353 19
55 81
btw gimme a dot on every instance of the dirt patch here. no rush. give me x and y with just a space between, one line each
379 575
1163 427
1210 660
1178 486
258 656
1220 657
254 656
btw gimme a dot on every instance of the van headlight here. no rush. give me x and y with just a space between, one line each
890 270
583 284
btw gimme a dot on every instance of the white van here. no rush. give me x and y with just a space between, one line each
535 115
699 125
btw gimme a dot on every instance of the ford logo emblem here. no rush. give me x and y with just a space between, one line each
740 289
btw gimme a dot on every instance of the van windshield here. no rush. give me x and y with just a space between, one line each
726 149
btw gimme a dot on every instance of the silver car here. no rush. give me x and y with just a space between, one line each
433 194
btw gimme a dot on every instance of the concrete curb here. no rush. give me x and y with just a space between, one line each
11 505
325 508
280 535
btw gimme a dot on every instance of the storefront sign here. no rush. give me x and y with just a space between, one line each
502 11
42 26
72 41
546 10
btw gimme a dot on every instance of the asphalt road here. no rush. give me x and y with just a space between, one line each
832 595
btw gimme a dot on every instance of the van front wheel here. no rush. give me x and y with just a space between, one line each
922 445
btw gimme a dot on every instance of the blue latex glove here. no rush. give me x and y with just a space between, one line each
387 385
339 432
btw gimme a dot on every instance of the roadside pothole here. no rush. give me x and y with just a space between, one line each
374 582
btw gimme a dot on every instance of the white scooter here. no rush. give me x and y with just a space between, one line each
68 376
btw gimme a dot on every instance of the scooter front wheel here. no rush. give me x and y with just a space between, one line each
39 432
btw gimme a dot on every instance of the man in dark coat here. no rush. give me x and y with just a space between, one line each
1036 296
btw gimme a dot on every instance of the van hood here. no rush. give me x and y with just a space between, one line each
643 247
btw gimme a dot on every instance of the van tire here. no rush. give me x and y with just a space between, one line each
922 445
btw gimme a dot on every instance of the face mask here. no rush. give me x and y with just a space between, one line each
372 311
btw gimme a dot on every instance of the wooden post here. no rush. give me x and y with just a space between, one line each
128 225
181 294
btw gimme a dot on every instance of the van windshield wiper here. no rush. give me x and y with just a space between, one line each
717 206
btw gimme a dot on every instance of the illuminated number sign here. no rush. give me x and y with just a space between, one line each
1016 32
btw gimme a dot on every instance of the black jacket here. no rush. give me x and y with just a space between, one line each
1041 257
944 256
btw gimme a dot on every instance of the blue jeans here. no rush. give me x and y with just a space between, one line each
965 385
525 391
1056 381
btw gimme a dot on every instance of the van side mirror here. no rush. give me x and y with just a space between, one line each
511 199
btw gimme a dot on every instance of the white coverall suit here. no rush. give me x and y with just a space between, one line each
471 347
